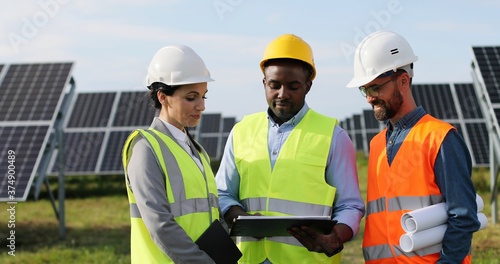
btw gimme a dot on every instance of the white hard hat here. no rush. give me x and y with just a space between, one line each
177 65
381 52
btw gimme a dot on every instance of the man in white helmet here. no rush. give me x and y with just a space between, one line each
416 161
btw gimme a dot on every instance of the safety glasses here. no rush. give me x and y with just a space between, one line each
374 90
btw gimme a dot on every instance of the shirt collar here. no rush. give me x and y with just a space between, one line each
408 120
178 134
294 120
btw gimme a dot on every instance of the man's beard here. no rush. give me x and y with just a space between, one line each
388 109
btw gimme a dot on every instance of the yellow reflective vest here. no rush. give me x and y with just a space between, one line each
295 186
193 200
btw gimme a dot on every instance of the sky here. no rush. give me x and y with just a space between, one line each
112 42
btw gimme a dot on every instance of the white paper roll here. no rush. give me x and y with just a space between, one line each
422 239
483 219
480 203
430 216
414 241
424 218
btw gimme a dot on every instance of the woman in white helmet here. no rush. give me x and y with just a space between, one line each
170 184
415 162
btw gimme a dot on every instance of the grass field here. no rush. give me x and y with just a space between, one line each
97 225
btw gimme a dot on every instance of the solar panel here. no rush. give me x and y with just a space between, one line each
358 141
488 60
228 123
357 121
347 125
468 101
112 162
21 151
30 98
370 121
101 122
31 92
95 131
211 123
134 109
211 145
91 110
436 99
81 151
479 141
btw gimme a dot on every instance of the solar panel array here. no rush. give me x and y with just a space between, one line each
486 75
30 98
456 104
487 63
99 123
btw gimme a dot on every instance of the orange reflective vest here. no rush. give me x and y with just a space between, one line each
407 184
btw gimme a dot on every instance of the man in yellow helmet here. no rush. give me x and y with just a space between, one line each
290 160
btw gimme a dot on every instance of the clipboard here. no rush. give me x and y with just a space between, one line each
267 226
216 242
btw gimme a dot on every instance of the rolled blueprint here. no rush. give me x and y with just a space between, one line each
414 241
430 216
480 203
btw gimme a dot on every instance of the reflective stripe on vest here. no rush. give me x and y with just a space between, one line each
407 184
384 251
190 209
176 185
285 207
402 203
289 240
292 187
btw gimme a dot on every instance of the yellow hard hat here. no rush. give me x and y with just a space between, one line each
291 47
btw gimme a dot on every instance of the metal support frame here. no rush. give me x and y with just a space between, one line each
56 141
494 169
494 136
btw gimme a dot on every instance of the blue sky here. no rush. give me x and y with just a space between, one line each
111 42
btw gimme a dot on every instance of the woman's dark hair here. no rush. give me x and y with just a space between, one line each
169 91
158 86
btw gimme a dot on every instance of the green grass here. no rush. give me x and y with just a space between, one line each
98 227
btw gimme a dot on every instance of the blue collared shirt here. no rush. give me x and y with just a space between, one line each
341 171
452 169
